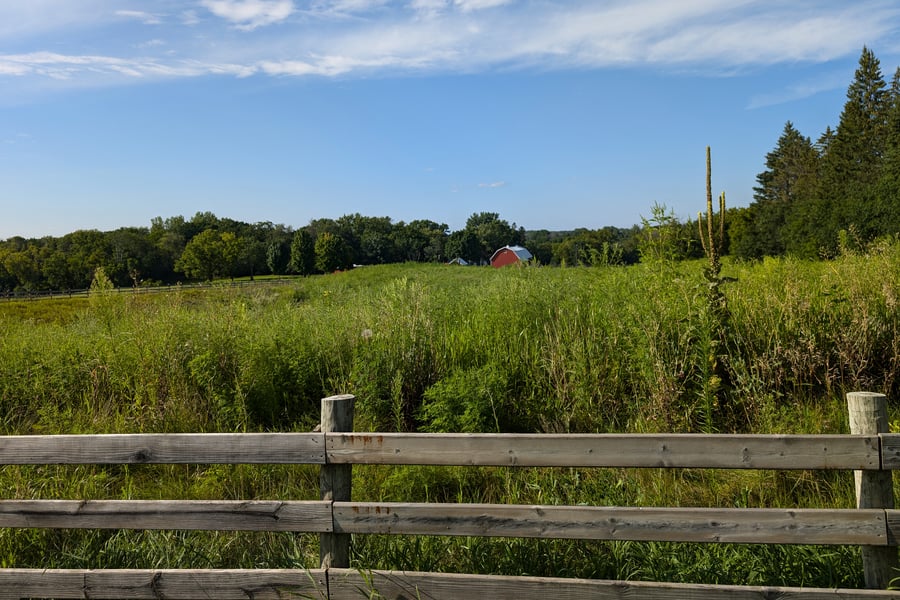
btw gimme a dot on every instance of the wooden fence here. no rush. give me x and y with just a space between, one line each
871 452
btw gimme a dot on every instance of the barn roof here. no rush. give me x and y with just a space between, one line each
522 253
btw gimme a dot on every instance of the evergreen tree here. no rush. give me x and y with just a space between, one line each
852 163
860 140
884 214
789 179
891 163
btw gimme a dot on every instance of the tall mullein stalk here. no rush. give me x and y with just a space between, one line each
713 240
715 374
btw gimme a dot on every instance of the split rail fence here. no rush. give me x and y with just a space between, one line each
869 451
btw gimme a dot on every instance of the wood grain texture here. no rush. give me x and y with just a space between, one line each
346 584
767 526
336 481
608 450
164 448
210 515
890 451
259 584
874 489
350 584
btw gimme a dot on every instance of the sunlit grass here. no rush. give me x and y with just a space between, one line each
438 348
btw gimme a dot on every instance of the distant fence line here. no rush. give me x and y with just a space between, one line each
49 294
870 451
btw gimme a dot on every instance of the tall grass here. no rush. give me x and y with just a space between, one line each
437 348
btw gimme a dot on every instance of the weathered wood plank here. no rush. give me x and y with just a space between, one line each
608 450
336 481
209 515
347 584
874 489
170 448
259 584
890 451
774 526
893 526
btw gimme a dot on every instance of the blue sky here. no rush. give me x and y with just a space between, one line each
555 114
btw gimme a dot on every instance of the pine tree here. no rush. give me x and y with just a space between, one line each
851 163
884 214
789 179
853 157
891 164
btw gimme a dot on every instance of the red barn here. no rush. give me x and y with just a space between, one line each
510 255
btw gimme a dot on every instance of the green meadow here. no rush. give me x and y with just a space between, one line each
439 348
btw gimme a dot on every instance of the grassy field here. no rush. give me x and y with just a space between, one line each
438 348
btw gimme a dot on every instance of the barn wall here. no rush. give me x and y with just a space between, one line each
506 257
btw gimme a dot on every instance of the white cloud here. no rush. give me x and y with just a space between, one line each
23 19
64 67
430 7
472 5
151 43
346 7
144 17
250 14
190 18
433 8
495 184
426 36
12 68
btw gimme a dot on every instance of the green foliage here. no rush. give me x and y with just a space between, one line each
209 254
101 284
471 400
332 253
303 253
663 239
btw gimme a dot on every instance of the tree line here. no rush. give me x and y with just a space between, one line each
207 247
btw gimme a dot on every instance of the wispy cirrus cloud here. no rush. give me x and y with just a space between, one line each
799 90
493 184
473 5
330 38
64 67
144 17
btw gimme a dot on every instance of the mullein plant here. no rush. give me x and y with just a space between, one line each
714 341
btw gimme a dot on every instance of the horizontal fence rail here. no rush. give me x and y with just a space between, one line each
702 451
353 584
208 515
164 448
872 527
782 452
874 524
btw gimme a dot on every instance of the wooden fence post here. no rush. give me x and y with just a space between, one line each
334 480
874 489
